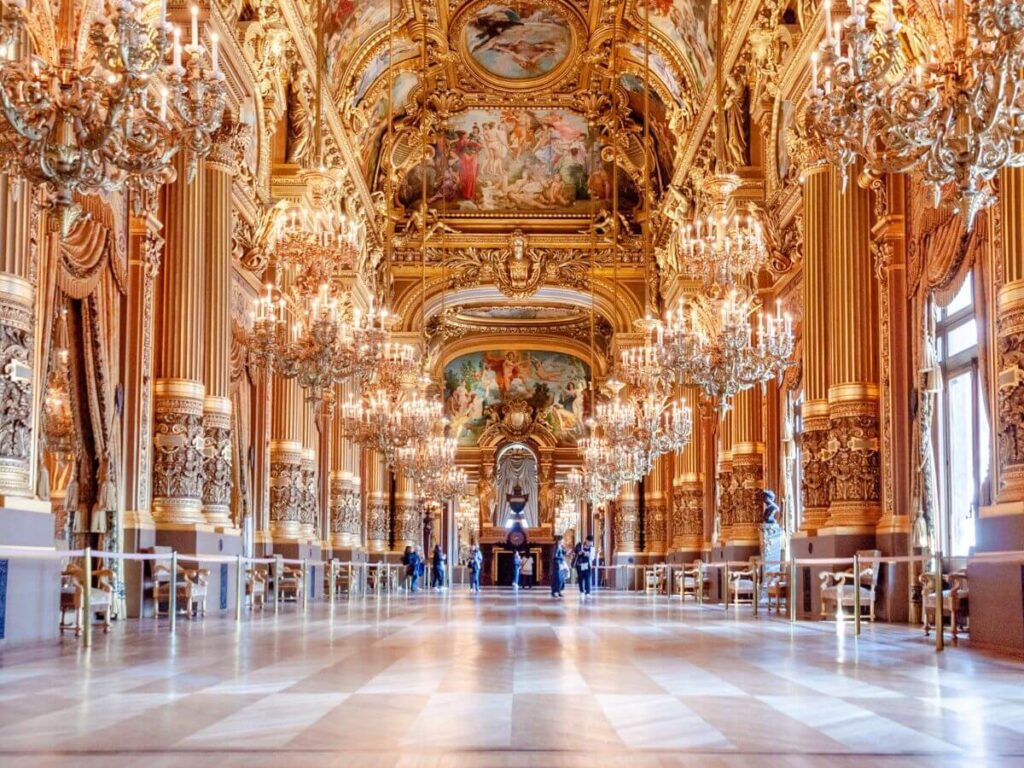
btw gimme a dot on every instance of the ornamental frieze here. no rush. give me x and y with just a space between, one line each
216 460
286 491
856 467
815 471
178 450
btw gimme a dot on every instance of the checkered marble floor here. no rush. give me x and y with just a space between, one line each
505 680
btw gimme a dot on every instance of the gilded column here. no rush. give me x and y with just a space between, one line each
625 520
178 391
688 487
220 166
309 503
345 519
853 447
286 482
378 529
725 483
747 469
819 179
655 508
1009 346
408 518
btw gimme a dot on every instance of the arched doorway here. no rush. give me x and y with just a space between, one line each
516 468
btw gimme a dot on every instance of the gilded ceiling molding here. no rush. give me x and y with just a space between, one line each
538 343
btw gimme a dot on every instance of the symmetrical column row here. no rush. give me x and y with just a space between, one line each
747 456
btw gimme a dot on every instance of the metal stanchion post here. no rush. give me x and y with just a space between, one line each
791 590
305 584
277 583
239 588
332 567
725 586
86 598
668 581
172 599
756 596
939 639
698 585
856 594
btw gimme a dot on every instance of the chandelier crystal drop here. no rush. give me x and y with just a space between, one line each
956 121
82 124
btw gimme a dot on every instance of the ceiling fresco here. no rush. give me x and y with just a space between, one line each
517 41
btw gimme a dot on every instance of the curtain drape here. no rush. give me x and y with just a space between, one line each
514 468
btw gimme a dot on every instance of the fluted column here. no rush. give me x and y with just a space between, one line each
286 481
17 323
819 179
378 528
1008 349
408 519
626 520
345 518
725 482
855 483
220 166
179 391
747 469
655 508
688 487
309 503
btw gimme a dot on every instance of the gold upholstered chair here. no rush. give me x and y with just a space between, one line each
187 591
692 581
256 587
743 583
291 584
837 587
776 588
955 603
72 589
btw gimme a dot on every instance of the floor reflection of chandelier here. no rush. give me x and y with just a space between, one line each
714 346
80 125
956 121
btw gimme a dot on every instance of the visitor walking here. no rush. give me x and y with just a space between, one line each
517 565
413 567
526 575
559 568
476 561
583 562
437 569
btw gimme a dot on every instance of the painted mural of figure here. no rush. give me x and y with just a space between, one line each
495 151
467 151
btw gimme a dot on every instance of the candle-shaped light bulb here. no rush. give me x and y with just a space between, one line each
163 105
177 47
828 21
195 26
215 52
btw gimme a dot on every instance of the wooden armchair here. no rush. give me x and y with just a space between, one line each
256 587
691 580
837 588
955 603
776 587
654 579
743 585
72 592
162 585
200 581
291 584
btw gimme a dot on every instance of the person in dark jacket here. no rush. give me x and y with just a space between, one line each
476 562
558 568
583 561
437 568
517 565
413 567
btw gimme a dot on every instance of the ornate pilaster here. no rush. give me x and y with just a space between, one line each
308 504
725 484
178 433
853 447
1009 346
688 513
655 509
220 165
346 523
747 469
178 445
286 490
17 340
815 469
625 520
408 517
378 528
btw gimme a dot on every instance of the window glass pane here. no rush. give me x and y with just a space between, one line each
961 466
963 299
962 337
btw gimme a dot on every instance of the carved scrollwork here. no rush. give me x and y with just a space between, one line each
1010 401
178 455
217 460
15 391
815 469
286 491
519 270
855 458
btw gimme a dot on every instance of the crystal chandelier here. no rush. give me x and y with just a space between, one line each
592 481
955 121
387 421
722 354
78 123
449 484
721 248
426 460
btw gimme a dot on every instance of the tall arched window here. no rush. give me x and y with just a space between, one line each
962 434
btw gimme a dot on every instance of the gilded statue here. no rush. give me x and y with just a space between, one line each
734 105
300 116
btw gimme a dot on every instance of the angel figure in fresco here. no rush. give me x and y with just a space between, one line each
506 369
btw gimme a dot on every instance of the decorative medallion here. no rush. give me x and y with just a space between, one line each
523 44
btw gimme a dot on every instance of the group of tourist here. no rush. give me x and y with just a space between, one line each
583 558
415 568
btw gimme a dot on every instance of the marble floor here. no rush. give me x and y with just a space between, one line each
501 680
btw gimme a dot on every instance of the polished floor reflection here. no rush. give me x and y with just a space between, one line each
504 681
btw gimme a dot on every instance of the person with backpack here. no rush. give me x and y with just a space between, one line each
476 562
413 567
